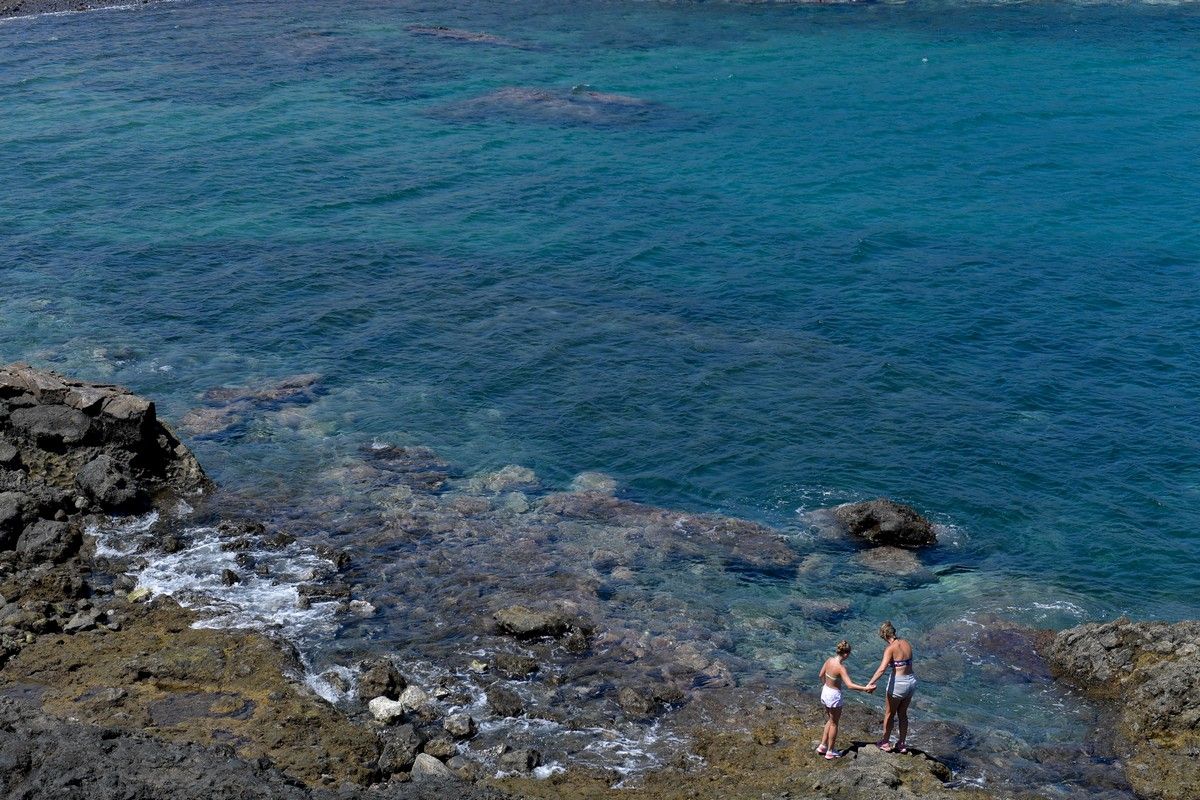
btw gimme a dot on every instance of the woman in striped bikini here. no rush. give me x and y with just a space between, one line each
898 655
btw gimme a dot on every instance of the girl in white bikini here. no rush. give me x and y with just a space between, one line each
898 655
833 675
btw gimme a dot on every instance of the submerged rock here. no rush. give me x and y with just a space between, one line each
886 522
895 562
527 623
599 482
503 480
229 406
459 35
579 105
1150 674
515 666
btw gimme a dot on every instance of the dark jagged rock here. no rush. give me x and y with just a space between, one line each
48 540
109 483
886 522
636 702
100 445
523 759
401 745
504 702
515 667
460 726
380 679
1149 672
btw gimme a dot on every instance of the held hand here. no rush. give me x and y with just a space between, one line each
870 688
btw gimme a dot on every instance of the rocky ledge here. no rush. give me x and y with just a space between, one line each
69 452
1149 672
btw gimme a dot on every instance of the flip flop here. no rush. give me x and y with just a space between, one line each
884 745
900 748
822 749
832 754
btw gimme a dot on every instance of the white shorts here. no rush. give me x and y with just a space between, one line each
830 697
902 686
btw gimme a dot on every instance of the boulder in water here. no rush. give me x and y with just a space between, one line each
380 679
886 522
504 702
460 726
515 666
521 759
527 623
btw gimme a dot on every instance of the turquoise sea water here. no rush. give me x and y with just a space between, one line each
943 252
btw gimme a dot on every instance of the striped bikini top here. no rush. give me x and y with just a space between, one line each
904 662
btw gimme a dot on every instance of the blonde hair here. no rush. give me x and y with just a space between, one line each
843 648
887 630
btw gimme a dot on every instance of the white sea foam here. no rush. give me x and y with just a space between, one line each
193 577
323 688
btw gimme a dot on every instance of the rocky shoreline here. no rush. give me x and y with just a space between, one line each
1148 673
33 8
102 682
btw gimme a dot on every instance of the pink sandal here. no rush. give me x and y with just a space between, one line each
832 754
884 745
821 749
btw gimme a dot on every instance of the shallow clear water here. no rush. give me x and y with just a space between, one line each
935 251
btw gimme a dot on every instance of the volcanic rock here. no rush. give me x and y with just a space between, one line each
441 747
886 522
526 623
110 484
522 759
460 726
505 702
400 748
1149 672
385 710
380 678
427 768
515 667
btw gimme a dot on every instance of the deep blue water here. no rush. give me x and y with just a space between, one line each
944 252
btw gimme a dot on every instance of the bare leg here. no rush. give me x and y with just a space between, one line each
889 717
825 730
902 714
834 715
